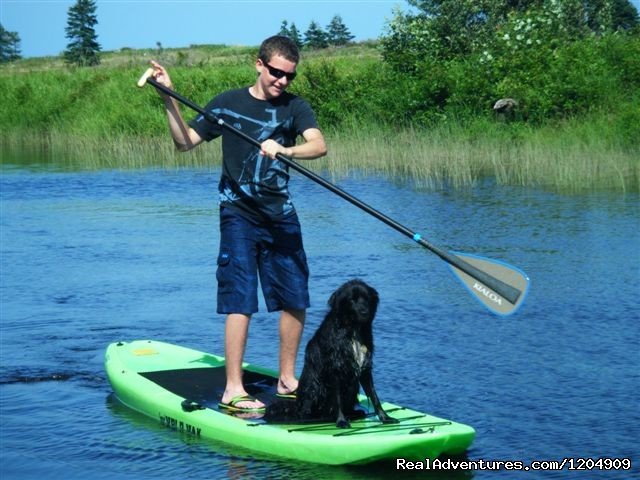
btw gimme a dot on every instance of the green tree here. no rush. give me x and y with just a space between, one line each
337 32
9 45
291 32
556 58
284 29
294 34
624 15
83 48
315 37
447 29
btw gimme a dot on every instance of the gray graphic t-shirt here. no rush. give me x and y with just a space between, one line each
253 184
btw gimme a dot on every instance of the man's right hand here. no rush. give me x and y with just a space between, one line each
161 76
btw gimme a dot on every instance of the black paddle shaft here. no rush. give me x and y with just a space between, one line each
501 288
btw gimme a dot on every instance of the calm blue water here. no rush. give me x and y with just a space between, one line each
89 258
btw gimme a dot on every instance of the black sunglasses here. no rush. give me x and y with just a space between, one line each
276 72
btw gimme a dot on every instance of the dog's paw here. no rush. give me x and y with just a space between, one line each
343 423
387 419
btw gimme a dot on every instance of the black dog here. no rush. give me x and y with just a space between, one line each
338 359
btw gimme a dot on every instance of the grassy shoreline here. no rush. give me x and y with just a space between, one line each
97 118
565 160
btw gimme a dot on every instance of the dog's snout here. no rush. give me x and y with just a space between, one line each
361 308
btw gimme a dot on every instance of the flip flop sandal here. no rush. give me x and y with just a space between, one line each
232 406
290 396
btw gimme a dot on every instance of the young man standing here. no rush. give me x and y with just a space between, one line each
259 229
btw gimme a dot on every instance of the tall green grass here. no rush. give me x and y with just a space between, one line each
560 158
563 157
89 152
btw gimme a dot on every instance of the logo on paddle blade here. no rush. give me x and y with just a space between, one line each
495 298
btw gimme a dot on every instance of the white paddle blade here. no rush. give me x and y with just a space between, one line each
503 272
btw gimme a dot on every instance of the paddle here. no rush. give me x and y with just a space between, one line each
498 286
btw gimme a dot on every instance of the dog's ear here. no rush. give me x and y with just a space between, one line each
374 299
373 294
337 299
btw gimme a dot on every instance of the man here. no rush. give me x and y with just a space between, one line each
260 232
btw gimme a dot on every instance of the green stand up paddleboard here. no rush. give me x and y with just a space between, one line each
181 388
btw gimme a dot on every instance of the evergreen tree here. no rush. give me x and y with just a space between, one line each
14 45
315 37
291 32
284 29
9 45
337 32
294 34
83 48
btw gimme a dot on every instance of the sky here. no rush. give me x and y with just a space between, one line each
180 23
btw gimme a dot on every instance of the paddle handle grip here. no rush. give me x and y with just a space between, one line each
144 77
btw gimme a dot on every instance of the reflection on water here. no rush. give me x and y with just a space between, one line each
93 257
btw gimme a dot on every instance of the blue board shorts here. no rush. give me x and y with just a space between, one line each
270 251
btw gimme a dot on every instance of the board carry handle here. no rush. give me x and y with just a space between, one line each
191 405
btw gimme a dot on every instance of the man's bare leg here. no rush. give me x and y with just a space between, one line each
235 341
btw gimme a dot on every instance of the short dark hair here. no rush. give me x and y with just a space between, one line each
279 45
